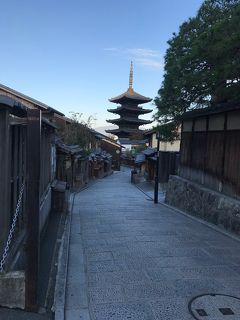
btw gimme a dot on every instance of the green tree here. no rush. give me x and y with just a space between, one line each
79 131
202 63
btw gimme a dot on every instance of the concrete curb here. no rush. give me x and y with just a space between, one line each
160 201
61 278
143 191
62 271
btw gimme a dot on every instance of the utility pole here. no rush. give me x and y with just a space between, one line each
32 207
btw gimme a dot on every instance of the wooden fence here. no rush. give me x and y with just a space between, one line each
210 152
168 165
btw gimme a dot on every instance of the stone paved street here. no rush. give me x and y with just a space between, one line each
132 259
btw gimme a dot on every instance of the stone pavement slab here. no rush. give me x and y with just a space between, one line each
132 259
16 314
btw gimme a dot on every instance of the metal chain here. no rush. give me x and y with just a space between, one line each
13 226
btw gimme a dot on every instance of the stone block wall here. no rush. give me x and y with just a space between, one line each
204 203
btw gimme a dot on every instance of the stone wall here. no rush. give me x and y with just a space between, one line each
204 203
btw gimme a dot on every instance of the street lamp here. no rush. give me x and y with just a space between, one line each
158 137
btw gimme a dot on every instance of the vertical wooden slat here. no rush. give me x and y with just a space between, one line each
32 207
192 142
224 146
20 168
24 171
15 168
41 161
181 144
206 144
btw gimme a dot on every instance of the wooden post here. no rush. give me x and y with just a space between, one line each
32 207
5 176
205 150
157 170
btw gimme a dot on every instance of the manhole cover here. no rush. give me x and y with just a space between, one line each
215 307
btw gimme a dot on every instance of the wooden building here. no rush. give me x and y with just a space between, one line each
208 184
146 162
100 163
31 103
13 149
72 165
164 145
110 146
28 167
210 148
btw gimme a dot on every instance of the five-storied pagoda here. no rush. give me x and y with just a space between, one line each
128 122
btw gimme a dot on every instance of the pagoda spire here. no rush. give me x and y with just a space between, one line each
130 89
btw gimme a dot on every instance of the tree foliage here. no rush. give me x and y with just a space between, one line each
79 131
202 62
168 131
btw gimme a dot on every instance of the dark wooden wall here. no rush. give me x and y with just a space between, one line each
13 172
168 165
215 153
13 169
17 170
46 152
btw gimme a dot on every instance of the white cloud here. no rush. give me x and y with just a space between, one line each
151 63
143 52
142 56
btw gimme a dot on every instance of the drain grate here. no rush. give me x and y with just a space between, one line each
215 306
226 311
201 312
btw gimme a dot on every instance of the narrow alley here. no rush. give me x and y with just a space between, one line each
132 259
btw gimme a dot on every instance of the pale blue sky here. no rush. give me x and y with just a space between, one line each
74 55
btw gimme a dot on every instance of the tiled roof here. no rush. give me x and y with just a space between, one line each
214 109
129 109
126 141
68 149
17 108
130 94
123 130
149 151
130 120
29 99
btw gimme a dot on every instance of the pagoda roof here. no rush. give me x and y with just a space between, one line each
130 95
129 120
125 130
130 109
128 141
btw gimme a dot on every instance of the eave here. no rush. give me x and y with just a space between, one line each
131 96
124 109
129 120
123 130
